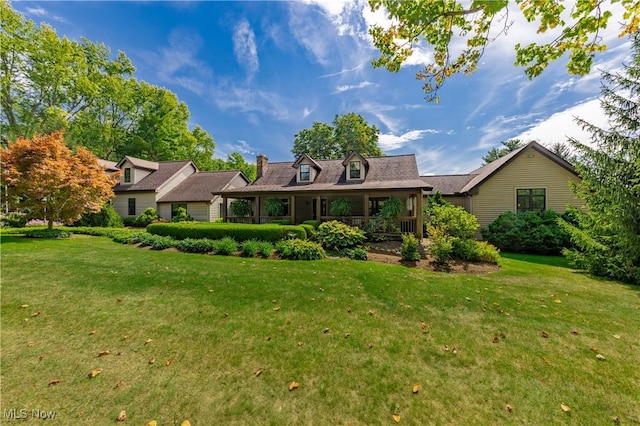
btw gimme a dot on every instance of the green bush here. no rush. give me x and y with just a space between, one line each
13 220
195 245
182 216
314 223
487 252
147 217
410 247
250 248
238 231
358 253
311 231
455 221
107 217
47 234
226 246
144 239
440 245
161 243
391 208
266 248
336 235
297 249
528 232
280 222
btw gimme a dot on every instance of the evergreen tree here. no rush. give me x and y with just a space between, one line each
607 237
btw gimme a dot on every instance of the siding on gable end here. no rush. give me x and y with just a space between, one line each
144 200
136 174
175 181
529 170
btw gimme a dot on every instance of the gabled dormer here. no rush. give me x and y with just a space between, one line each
306 169
133 170
356 167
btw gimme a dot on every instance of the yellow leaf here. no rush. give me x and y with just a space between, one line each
565 407
24 306
276 309
103 353
416 388
146 342
92 332
54 382
151 423
259 372
185 423
396 418
508 407
152 360
93 373
293 385
122 416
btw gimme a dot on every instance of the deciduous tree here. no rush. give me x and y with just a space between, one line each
495 153
441 23
46 179
348 132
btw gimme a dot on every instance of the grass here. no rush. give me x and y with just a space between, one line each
215 321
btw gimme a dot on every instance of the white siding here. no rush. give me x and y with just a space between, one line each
175 180
199 211
527 171
136 174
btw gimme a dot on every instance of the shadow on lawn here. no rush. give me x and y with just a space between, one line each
5 239
559 261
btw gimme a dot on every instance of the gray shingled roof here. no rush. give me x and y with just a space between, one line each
139 163
166 170
110 166
200 186
447 184
390 172
460 184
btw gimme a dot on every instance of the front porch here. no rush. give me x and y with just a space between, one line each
301 207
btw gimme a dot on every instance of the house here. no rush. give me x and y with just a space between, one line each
307 187
528 178
169 185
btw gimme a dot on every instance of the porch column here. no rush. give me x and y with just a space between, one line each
292 209
318 207
224 208
365 207
419 216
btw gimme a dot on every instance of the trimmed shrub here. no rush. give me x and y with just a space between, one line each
225 246
336 235
47 234
487 252
107 217
528 232
410 247
297 249
454 220
281 222
314 223
147 217
144 239
195 245
13 220
182 216
238 231
311 231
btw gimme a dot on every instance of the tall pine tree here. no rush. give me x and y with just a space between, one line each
607 237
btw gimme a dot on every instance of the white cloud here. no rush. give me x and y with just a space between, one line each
390 142
39 11
244 47
347 87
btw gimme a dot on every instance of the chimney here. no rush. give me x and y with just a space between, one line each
261 165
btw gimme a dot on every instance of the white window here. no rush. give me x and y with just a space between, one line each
355 170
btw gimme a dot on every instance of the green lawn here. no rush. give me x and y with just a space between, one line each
356 336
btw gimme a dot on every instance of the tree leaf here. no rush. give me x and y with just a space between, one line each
122 416
185 423
293 385
416 388
152 423
259 372
565 407
396 418
103 353
54 382
93 373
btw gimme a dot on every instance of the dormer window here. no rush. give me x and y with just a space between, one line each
355 170
305 172
127 175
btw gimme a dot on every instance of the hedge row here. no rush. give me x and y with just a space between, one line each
238 231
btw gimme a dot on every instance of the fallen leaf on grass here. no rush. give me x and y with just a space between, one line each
300 343
117 385
545 360
416 389
326 330
54 382
168 363
574 332
454 351
151 423
396 418
544 334
40 358
92 332
29 344
293 385
565 407
616 419
93 373
509 408
119 299
616 336
146 342
277 308
371 312
36 314
496 340
185 423
122 416
370 345
103 353
346 335
601 357
152 360
259 372
24 306
125 337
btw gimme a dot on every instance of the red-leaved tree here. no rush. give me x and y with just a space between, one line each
43 177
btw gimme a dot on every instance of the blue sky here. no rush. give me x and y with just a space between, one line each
253 74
